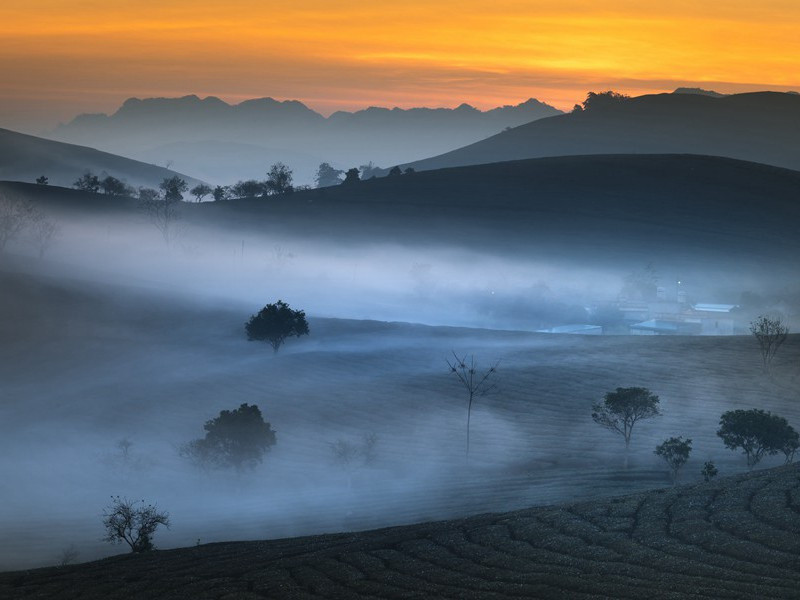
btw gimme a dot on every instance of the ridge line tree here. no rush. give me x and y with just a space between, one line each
279 180
623 408
200 191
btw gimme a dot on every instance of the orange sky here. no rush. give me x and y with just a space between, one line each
60 58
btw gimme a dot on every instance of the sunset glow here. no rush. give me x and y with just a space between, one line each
59 59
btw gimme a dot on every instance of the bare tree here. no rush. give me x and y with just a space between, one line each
474 382
15 215
163 213
68 556
132 522
770 334
44 232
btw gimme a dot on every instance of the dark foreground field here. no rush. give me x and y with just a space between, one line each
734 538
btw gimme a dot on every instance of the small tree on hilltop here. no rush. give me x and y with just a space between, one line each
88 182
133 523
675 451
173 188
327 176
42 180
236 438
770 334
475 383
220 193
112 186
275 323
279 179
757 433
622 409
200 191
351 176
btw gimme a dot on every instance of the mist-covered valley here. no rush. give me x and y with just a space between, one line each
118 347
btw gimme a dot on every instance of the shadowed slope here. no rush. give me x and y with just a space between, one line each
26 157
734 538
760 127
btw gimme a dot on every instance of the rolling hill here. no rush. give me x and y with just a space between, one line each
26 157
760 127
734 538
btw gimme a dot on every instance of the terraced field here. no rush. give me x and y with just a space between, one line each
737 537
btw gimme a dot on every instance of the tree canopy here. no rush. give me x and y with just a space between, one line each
279 179
173 188
757 433
328 176
625 407
236 438
275 323
675 452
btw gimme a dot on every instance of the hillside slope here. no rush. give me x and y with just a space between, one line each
761 127
26 157
733 538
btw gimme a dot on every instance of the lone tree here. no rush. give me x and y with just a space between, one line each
133 523
709 471
770 334
327 176
42 180
675 451
200 191
622 409
275 323
236 438
279 179
758 433
474 382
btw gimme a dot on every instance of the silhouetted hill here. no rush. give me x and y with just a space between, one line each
345 139
733 538
25 157
760 127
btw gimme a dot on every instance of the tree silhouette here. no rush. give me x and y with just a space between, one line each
351 176
675 451
236 438
220 193
758 433
327 176
200 191
475 383
622 409
275 323
135 525
279 179
770 334
88 182
173 188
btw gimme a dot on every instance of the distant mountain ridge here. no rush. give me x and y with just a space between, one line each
762 127
345 139
25 157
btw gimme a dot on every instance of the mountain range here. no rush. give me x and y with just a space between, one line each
222 143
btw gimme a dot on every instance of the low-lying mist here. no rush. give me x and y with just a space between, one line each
117 335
